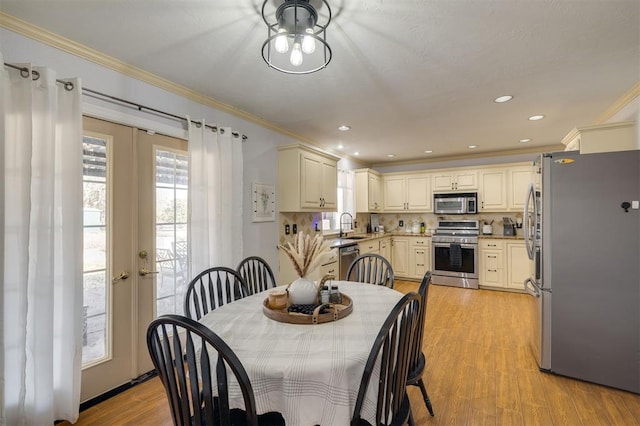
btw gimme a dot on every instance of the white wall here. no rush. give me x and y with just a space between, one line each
259 151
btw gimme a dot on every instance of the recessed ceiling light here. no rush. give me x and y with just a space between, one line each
525 140
344 128
340 146
428 151
473 146
391 155
356 153
536 117
501 99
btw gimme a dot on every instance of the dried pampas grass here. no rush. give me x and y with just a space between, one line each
306 253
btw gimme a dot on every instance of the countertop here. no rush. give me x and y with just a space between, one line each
361 238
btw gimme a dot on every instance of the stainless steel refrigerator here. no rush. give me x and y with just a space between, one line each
582 231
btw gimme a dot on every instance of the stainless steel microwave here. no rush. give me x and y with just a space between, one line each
455 203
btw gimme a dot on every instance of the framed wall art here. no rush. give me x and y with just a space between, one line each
264 202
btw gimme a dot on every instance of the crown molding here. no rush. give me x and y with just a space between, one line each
619 104
69 46
479 155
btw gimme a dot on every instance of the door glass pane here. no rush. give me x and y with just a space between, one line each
95 222
171 231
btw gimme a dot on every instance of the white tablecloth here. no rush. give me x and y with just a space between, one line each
309 373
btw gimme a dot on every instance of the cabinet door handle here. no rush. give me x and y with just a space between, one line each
491 257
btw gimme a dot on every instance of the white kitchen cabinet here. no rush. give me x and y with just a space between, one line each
519 179
372 246
368 191
492 263
400 256
455 180
385 248
407 192
420 256
517 265
493 190
307 180
610 137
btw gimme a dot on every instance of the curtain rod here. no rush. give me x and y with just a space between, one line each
35 75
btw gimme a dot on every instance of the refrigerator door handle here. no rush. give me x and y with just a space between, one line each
528 238
531 288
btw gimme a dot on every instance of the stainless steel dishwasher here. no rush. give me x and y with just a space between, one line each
347 254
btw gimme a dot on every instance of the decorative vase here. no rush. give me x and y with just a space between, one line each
302 291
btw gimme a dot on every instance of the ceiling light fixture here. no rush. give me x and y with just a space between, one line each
356 153
344 128
297 35
428 151
472 146
501 99
525 140
340 146
391 155
536 117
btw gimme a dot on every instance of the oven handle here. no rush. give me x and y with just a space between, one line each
447 245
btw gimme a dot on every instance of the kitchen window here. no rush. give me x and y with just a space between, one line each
346 202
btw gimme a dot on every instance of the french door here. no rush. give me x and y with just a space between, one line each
135 212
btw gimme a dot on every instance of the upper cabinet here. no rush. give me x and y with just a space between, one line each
493 190
307 180
455 180
609 137
504 189
519 180
407 192
368 191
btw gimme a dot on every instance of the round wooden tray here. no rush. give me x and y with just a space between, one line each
338 311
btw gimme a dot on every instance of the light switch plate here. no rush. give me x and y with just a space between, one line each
635 204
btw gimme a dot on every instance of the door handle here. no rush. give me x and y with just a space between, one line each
123 276
143 272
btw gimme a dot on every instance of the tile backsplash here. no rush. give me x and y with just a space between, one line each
307 222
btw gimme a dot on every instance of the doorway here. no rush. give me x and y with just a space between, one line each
135 213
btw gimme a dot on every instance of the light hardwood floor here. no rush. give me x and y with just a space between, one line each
479 372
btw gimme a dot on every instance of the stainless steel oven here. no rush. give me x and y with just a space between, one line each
455 253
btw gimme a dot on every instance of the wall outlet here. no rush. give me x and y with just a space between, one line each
295 228
401 223
287 230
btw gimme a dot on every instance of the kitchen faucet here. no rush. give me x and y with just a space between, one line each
341 223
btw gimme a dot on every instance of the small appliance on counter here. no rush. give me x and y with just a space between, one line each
509 229
487 229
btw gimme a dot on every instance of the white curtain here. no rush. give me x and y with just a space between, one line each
215 198
41 262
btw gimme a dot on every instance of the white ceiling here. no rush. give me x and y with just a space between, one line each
406 75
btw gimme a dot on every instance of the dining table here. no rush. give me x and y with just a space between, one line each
310 373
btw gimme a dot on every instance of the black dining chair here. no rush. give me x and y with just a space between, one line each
371 268
211 289
392 348
257 274
417 360
193 364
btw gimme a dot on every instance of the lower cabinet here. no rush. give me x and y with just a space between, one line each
400 256
503 264
411 256
518 261
385 248
420 256
492 263
369 247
